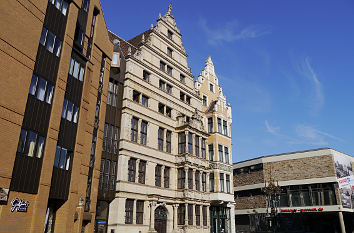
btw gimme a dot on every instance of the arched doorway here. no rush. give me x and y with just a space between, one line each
160 219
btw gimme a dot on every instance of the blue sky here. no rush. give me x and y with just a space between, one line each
286 67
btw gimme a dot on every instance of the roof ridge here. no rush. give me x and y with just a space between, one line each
123 39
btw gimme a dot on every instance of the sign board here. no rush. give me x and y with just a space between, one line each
345 178
19 205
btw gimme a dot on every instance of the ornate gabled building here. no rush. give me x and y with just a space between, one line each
218 119
166 181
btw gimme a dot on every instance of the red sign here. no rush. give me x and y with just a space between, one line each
301 210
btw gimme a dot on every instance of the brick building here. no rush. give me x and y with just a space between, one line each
55 61
316 191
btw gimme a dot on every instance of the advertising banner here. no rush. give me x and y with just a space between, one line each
345 179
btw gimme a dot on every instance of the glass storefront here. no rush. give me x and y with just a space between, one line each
220 219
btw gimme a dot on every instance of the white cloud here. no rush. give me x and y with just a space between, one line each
272 129
317 98
231 31
309 135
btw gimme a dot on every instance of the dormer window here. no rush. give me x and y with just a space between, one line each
169 34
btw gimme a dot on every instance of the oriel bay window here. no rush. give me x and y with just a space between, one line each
62 158
212 182
190 143
158 175
166 177
168 141
197 215
30 144
139 212
210 124
143 132
225 127
190 178
228 183
197 145
134 129
129 203
131 169
181 174
222 185
221 154
219 126
197 180
41 89
227 158
142 170
181 143
160 138
190 214
181 213
203 148
211 152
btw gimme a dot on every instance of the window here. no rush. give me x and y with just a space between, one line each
41 89
197 215
158 175
62 6
225 127
115 139
182 96
141 172
181 178
182 78
228 183
197 180
169 88
210 124
143 132
160 139
205 221
115 58
134 129
85 5
181 143
162 66
169 70
190 214
139 212
129 203
226 154
112 93
181 212
219 126
211 152
146 75
100 183
211 87
136 96
221 154
168 111
76 69
169 34
168 141
196 145
205 101
110 139
166 177
70 112
131 170
211 182
222 188
188 99
145 100
50 41
162 85
107 168
190 178
190 143
62 158
204 182
203 148
169 52
113 175
161 108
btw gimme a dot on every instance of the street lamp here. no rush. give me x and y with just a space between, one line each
272 192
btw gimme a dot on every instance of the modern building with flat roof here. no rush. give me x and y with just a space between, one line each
317 191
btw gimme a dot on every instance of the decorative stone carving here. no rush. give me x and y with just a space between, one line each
197 121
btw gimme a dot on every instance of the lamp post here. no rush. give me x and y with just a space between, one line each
272 192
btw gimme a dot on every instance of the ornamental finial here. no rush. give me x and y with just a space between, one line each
169 9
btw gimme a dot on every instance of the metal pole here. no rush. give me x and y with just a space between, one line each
341 221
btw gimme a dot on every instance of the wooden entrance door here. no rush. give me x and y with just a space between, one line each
160 220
